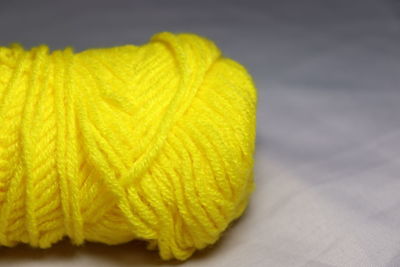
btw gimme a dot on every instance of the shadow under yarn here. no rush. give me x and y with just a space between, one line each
133 253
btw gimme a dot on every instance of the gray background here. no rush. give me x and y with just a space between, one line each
328 145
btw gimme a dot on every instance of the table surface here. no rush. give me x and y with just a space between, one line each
328 139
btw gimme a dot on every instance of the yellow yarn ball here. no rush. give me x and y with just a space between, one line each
151 142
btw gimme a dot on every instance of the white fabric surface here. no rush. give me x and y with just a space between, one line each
328 145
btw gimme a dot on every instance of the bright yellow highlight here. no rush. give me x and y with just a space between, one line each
151 142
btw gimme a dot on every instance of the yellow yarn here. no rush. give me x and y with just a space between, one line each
151 142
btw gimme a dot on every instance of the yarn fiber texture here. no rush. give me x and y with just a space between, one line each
151 142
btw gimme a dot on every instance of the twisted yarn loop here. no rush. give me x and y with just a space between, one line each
151 142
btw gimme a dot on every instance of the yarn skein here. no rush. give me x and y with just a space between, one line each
151 142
